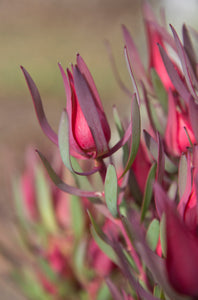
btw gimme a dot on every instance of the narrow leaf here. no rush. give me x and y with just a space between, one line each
136 133
65 187
193 113
174 76
187 69
48 131
111 190
107 249
148 191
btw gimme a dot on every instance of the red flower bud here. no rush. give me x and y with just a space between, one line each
182 255
89 128
175 136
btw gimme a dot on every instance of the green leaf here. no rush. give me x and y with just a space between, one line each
98 230
182 175
163 234
111 190
78 220
63 140
107 249
45 201
160 91
152 235
103 293
136 133
120 130
148 191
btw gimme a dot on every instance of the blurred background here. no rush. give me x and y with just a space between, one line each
37 34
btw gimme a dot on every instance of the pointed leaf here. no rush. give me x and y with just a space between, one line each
90 111
65 187
187 69
131 74
134 57
148 191
193 113
48 131
189 47
136 133
174 76
111 190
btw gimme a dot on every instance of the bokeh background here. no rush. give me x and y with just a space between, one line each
37 34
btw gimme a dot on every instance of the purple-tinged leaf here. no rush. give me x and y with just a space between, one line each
111 190
148 107
174 76
114 290
136 133
131 74
121 143
115 70
148 192
155 264
189 47
65 187
90 111
144 294
193 115
164 34
134 58
48 131
187 69
85 71
64 145
160 160
160 198
153 148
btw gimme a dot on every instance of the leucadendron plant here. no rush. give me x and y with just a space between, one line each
134 236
